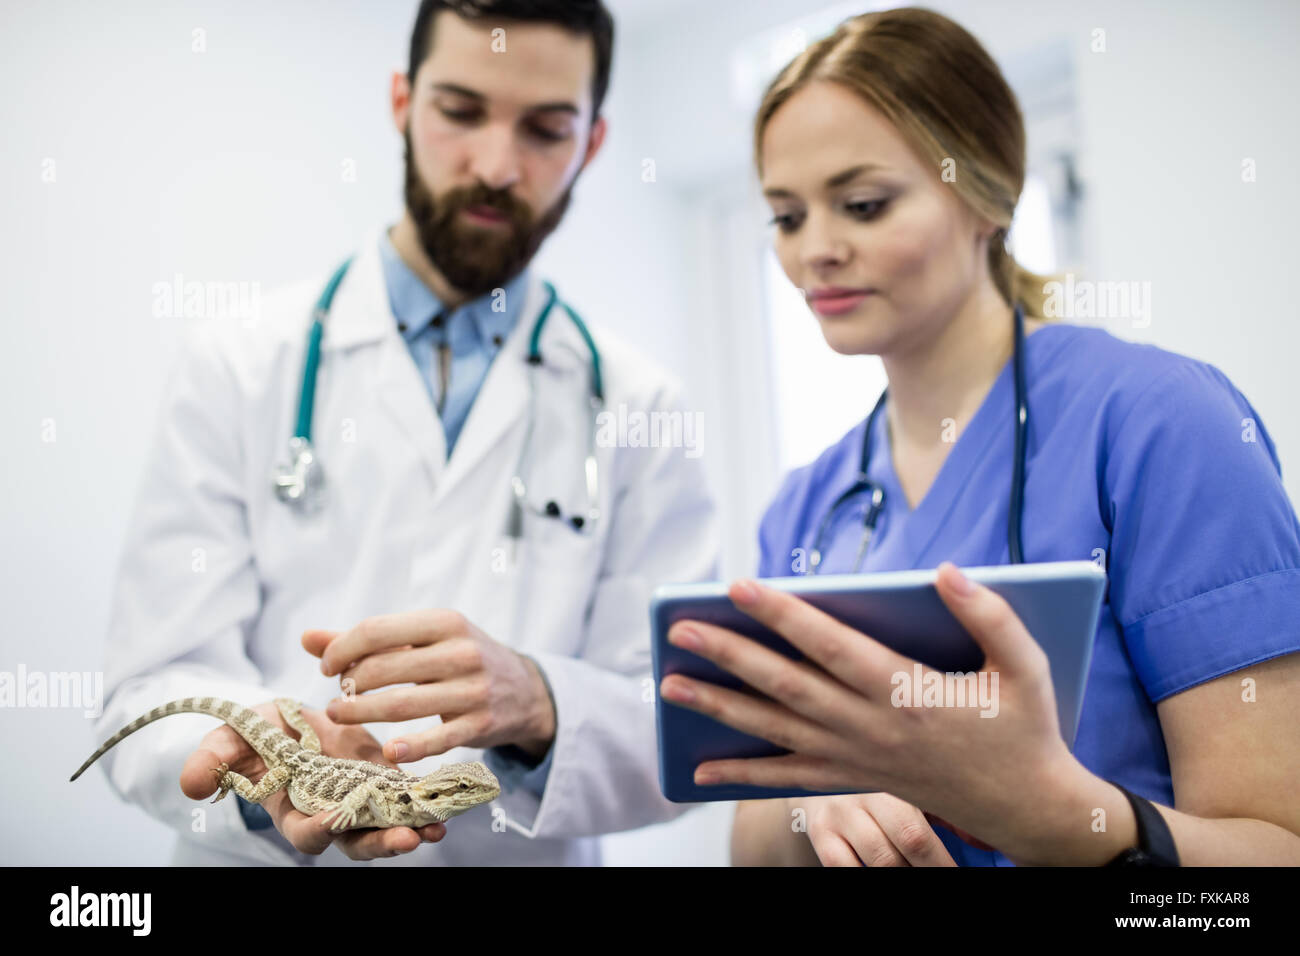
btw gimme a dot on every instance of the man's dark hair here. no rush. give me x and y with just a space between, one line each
587 17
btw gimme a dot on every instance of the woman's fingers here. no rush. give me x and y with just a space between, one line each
833 850
757 717
796 684
869 840
787 771
905 827
873 829
849 655
989 619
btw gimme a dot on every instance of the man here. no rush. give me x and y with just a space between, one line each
512 629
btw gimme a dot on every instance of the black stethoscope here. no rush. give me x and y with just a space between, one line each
877 492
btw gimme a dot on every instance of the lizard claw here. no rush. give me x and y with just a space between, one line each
341 819
224 788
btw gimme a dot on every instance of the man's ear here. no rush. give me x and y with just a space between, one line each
400 94
597 137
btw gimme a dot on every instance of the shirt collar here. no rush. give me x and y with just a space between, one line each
475 322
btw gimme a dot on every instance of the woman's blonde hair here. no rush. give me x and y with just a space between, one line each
946 95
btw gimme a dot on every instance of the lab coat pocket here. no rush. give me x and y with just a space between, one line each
553 573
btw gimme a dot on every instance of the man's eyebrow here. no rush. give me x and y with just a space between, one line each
557 106
839 179
457 89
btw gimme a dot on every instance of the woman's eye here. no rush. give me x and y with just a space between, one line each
786 222
865 208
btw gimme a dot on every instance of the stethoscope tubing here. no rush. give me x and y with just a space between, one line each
289 480
863 482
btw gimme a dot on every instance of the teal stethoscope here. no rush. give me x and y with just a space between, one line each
300 483
876 501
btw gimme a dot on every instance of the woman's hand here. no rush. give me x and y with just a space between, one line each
870 829
995 770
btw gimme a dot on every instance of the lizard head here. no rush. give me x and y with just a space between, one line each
452 790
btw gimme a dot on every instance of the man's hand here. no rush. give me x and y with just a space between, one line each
306 834
486 694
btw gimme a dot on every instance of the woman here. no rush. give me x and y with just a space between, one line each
892 154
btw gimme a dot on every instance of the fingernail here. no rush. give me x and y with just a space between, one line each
675 690
962 584
686 637
744 592
400 750
332 710
324 667
705 777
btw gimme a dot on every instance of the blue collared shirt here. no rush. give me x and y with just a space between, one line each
475 332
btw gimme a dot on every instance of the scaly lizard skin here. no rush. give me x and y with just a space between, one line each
360 793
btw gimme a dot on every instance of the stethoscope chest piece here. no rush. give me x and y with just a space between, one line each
300 483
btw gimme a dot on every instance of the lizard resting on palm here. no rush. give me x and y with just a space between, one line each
359 793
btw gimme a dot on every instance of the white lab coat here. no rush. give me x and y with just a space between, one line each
219 579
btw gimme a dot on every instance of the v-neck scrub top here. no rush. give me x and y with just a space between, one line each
1150 459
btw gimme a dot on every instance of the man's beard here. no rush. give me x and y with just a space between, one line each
476 260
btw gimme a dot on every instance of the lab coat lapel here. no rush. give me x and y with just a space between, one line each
502 401
362 316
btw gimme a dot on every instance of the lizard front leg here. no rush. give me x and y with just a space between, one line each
291 711
344 816
228 780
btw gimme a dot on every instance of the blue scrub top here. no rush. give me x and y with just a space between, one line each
1147 458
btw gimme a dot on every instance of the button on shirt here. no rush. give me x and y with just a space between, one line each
472 336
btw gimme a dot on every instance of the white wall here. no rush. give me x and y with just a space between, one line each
226 165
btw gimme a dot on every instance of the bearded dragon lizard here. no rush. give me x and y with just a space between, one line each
359 793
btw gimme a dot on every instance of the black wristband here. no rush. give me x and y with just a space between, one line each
1155 842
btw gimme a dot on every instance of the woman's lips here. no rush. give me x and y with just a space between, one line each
839 301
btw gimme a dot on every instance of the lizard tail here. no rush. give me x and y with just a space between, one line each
249 724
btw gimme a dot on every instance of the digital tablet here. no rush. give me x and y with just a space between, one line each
1058 602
